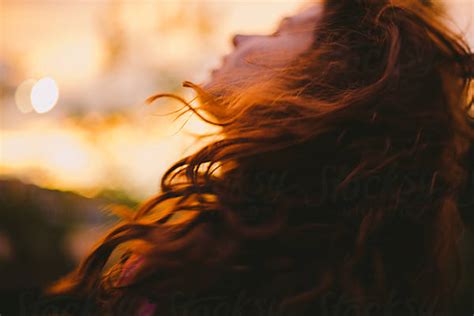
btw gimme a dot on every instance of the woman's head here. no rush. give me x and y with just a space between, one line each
337 168
257 56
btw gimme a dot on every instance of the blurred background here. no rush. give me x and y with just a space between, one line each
75 133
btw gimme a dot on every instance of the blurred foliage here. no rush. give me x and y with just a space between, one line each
42 235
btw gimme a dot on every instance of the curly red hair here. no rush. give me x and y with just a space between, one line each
340 174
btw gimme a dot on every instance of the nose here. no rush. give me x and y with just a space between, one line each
237 39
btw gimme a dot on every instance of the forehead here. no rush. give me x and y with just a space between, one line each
305 16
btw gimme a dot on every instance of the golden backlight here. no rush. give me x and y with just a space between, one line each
80 124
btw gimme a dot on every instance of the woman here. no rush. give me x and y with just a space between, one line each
331 190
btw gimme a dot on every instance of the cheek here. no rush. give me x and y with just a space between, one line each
296 45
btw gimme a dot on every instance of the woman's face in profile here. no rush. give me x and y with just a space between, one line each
262 54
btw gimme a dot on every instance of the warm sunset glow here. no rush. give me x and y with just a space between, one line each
57 158
88 155
70 61
44 95
108 57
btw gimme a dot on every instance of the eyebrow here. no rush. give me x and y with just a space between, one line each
286 20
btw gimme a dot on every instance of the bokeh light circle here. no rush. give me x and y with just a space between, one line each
44 95
23 96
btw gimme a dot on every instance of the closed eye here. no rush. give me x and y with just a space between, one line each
275 34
